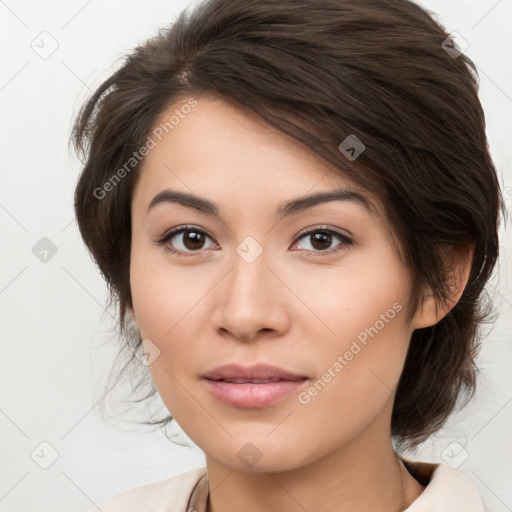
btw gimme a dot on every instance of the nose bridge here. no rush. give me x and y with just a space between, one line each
249 277
250 301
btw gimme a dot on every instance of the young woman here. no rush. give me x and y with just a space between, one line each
294 202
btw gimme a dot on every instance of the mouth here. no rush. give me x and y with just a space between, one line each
254 387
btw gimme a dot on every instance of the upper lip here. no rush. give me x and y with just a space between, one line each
257 371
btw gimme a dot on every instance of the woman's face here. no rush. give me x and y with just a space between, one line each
254 288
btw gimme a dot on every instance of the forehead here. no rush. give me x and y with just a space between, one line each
219 146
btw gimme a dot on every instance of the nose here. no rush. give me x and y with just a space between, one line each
252 300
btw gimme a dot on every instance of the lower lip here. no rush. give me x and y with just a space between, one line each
251 395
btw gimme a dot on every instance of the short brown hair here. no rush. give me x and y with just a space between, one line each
379 70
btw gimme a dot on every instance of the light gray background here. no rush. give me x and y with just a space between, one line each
56 348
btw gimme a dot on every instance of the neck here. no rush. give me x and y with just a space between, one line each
365 476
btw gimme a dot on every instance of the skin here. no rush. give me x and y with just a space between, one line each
289 307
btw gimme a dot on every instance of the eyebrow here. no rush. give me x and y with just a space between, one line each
285 209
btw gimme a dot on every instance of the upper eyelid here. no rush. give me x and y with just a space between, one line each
337 231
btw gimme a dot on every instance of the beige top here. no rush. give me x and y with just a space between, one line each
447 490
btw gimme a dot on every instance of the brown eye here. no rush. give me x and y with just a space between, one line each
321 240
185 241
193 240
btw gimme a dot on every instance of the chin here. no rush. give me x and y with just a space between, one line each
259 455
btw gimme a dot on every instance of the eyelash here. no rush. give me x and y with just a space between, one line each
346 241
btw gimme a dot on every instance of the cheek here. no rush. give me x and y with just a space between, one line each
165 296
168 302
363 335
358 373
366 288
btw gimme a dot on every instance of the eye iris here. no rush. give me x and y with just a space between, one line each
193 240
321 240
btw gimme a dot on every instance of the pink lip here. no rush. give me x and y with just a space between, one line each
251 395
248 394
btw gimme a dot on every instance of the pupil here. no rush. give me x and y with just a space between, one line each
318 238
193 240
